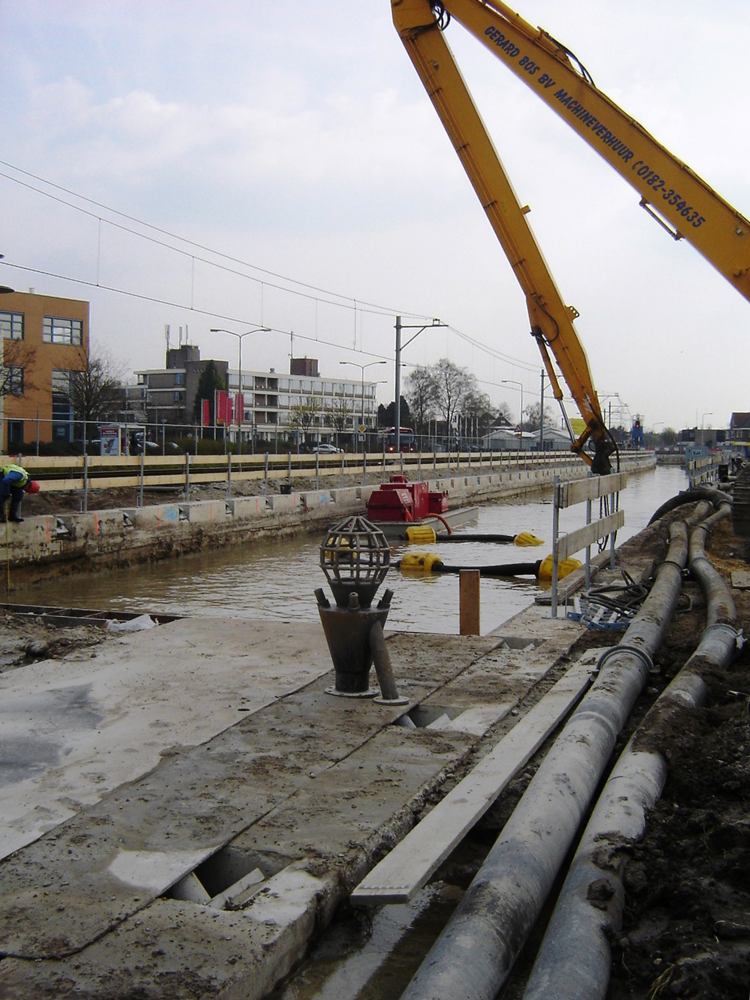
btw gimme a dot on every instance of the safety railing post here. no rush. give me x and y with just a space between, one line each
140 477
555 538
588 547
229 475
187 477
265 475
85 479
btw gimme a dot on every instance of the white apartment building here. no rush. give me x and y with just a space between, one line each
304 403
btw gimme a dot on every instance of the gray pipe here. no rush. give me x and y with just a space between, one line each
709 493
382 661
473 957
574 961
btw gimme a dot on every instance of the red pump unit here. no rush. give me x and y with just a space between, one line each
398 500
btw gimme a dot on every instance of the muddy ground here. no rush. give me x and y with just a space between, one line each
686 930
113 499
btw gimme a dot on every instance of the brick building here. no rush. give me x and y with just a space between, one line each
44 340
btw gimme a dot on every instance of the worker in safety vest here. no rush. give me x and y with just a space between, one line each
14 483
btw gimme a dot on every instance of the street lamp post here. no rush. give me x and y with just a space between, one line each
512 381
240 337
362 368
6 290
399 347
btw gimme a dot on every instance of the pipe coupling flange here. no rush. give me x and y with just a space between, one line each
728 631
624 648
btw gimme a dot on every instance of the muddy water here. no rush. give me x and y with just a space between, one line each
276 580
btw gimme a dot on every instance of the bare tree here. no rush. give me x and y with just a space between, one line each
478 413
531 423
17 368
452 386
303 415
96 392
338 413
420 387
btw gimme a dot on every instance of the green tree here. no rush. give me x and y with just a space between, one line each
387 414
208 383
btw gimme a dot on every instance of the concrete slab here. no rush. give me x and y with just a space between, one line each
154 516
315 498
204 511
76 728
309 788
345 495
247 506
283 502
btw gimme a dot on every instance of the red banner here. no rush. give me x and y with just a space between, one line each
222 407
205 412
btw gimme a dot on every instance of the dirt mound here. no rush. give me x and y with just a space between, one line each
686 930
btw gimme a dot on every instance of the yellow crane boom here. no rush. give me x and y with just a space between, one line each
551 319
676 197
670 191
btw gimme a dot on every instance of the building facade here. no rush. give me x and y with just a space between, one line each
302 405
166 396
44 340
305 405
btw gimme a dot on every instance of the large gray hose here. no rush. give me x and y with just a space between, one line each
709 493
472 958
574 961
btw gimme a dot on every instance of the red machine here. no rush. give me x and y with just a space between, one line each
398 500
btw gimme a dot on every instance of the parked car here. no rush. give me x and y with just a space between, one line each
327 449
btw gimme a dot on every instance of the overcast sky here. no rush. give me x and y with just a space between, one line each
296 176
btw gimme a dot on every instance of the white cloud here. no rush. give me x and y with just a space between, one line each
300 139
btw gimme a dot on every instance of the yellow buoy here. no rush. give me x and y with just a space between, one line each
526 539
418 562
564 568
420 534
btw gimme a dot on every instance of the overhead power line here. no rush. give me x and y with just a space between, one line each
316 293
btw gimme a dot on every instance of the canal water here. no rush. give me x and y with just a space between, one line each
276 580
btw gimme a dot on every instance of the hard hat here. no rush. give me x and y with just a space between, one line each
32 486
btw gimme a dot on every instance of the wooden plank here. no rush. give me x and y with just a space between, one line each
574 541
578 490
408 866
468 601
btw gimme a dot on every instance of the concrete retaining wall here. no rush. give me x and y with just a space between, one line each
100 539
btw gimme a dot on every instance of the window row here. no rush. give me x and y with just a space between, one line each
55 329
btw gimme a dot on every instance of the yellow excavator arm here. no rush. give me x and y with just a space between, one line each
670 191
551 320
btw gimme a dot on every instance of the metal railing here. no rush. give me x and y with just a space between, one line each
86 473
567 494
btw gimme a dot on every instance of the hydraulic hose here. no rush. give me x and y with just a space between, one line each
502 569
473 957
574 961
524 538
